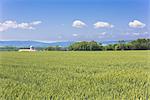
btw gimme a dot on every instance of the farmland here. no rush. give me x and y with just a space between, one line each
100 75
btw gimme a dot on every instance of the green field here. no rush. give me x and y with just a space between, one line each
103 75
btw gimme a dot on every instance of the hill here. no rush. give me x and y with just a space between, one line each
44 44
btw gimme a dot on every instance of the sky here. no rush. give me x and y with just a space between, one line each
74 20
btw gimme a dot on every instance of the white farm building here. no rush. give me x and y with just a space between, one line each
27 49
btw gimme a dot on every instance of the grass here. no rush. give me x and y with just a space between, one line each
105 75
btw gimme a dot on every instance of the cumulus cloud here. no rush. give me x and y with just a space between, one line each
7 24
103 25
25 26
75 35
14 25
78 24
136 24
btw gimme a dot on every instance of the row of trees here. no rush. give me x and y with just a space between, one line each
7 48
139 44
56 48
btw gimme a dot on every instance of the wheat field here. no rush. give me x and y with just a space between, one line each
68 75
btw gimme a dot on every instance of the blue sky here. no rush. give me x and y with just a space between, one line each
74 20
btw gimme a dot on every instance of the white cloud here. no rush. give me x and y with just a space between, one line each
36 22
146 33
14 25
101 36
78 24
136 34
103 33
103 25
136 24
25 26
59 37
7 24
140 33
75 35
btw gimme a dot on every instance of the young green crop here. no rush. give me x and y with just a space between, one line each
104 75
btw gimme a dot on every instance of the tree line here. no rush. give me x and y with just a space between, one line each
139 44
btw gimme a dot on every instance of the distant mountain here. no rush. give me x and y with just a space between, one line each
43 44
33 43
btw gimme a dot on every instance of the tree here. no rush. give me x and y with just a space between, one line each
110 47
50 48
85 46
121 44
141 44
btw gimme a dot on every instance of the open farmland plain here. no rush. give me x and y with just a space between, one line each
103 75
